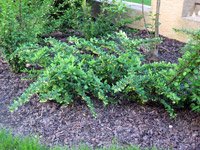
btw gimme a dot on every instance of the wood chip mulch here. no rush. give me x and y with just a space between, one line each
127 123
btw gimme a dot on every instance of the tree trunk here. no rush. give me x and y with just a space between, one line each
144 19
157 24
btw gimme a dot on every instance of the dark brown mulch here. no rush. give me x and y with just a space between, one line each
128 123
169 50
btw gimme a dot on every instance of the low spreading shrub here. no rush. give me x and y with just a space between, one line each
101 65
173 85
107 66
80 69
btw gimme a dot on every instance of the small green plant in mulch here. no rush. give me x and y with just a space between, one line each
10 142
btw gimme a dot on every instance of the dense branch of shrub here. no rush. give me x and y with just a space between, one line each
77 14
21 21
107 66
82 69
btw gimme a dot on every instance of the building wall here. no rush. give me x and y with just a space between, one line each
135 10
172 16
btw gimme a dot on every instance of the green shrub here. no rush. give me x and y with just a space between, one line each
66 14
181 86
78 15
111 18
173 85
83 69
104 67
21 21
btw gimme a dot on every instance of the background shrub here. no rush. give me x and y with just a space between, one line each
21 21
77 14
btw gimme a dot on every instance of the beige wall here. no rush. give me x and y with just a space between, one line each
135 10
171 16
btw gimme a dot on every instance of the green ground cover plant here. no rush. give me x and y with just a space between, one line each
10 142
84 68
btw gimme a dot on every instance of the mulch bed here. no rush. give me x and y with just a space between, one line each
127 122
168 49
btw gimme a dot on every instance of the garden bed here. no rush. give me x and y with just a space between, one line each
126 122
169 49
98 86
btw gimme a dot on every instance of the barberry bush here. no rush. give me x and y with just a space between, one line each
109 66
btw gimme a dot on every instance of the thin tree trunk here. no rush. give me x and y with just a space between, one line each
144 19
157 23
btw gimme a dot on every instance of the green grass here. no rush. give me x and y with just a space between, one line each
10 142
146 2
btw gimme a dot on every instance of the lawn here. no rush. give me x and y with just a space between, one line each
146 2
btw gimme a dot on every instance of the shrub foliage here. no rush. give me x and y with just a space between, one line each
103 64
21 21
107 66
77 14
